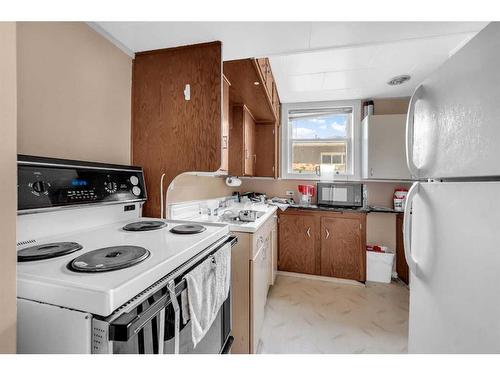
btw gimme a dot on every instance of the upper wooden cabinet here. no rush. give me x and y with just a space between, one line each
383 148
248 87
242 142
225 126
173 132
253 86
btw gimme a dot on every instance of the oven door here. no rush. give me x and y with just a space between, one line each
154 326
216 341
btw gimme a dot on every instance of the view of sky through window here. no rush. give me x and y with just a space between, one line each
320 127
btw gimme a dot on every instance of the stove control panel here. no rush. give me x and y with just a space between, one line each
46 183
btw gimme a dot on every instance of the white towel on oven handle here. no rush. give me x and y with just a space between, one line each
207 289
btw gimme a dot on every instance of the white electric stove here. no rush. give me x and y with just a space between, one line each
93 275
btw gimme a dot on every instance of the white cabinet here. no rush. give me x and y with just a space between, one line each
273 251
383 148
259 286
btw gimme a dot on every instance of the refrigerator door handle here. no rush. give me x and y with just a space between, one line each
412 263
417 94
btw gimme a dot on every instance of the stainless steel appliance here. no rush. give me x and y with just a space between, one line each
93 276
340 194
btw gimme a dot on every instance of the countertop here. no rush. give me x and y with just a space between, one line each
366 209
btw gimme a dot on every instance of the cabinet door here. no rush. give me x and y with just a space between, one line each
259 288
297 243
274 252
342 248
383 148
401 265
249 143
263 62
225 126
265 150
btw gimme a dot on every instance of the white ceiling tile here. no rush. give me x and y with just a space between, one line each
328 34
306 82
315 61
330 60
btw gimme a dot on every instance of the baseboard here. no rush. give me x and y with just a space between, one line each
321 278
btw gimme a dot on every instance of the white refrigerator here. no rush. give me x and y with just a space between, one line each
452 217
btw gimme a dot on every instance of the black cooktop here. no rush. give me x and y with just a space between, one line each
109 259
47 251
141 226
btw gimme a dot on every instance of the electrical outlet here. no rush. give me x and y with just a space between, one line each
290 193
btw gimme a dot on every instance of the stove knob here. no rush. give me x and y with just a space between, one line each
134 180
39 187
110 187
136 191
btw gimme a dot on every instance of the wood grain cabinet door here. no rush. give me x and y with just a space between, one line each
297 243
249 144
342 252
225 125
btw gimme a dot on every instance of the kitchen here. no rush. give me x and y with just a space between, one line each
148 153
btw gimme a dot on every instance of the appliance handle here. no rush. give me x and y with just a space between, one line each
410 122
412 263
161 197
129 324
175 305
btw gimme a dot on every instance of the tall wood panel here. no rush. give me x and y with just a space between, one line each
401 265
170 134
265 150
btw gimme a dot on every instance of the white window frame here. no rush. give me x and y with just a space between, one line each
327 153
355 144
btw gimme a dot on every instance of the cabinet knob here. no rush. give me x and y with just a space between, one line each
327 234
308 232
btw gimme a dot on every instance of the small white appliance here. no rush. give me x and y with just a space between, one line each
93 276
452 219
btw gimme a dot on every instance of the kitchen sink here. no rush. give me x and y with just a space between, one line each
241 216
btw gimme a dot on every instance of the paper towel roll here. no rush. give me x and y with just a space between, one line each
233 181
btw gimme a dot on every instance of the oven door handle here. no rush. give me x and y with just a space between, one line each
127 325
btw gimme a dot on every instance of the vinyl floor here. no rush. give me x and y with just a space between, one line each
313 316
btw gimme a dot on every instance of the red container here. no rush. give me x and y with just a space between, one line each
306 193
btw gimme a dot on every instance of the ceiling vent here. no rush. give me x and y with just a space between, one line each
398 80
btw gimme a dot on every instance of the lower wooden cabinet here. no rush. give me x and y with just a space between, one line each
323 243
343 250
297 242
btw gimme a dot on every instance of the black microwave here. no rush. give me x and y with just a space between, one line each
340 194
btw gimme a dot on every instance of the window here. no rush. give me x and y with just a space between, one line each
317 138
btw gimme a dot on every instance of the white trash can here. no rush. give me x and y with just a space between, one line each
379 266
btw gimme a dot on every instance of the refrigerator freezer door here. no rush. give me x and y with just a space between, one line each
457 113
455 296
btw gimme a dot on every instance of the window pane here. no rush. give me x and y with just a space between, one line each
320 126
306 156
